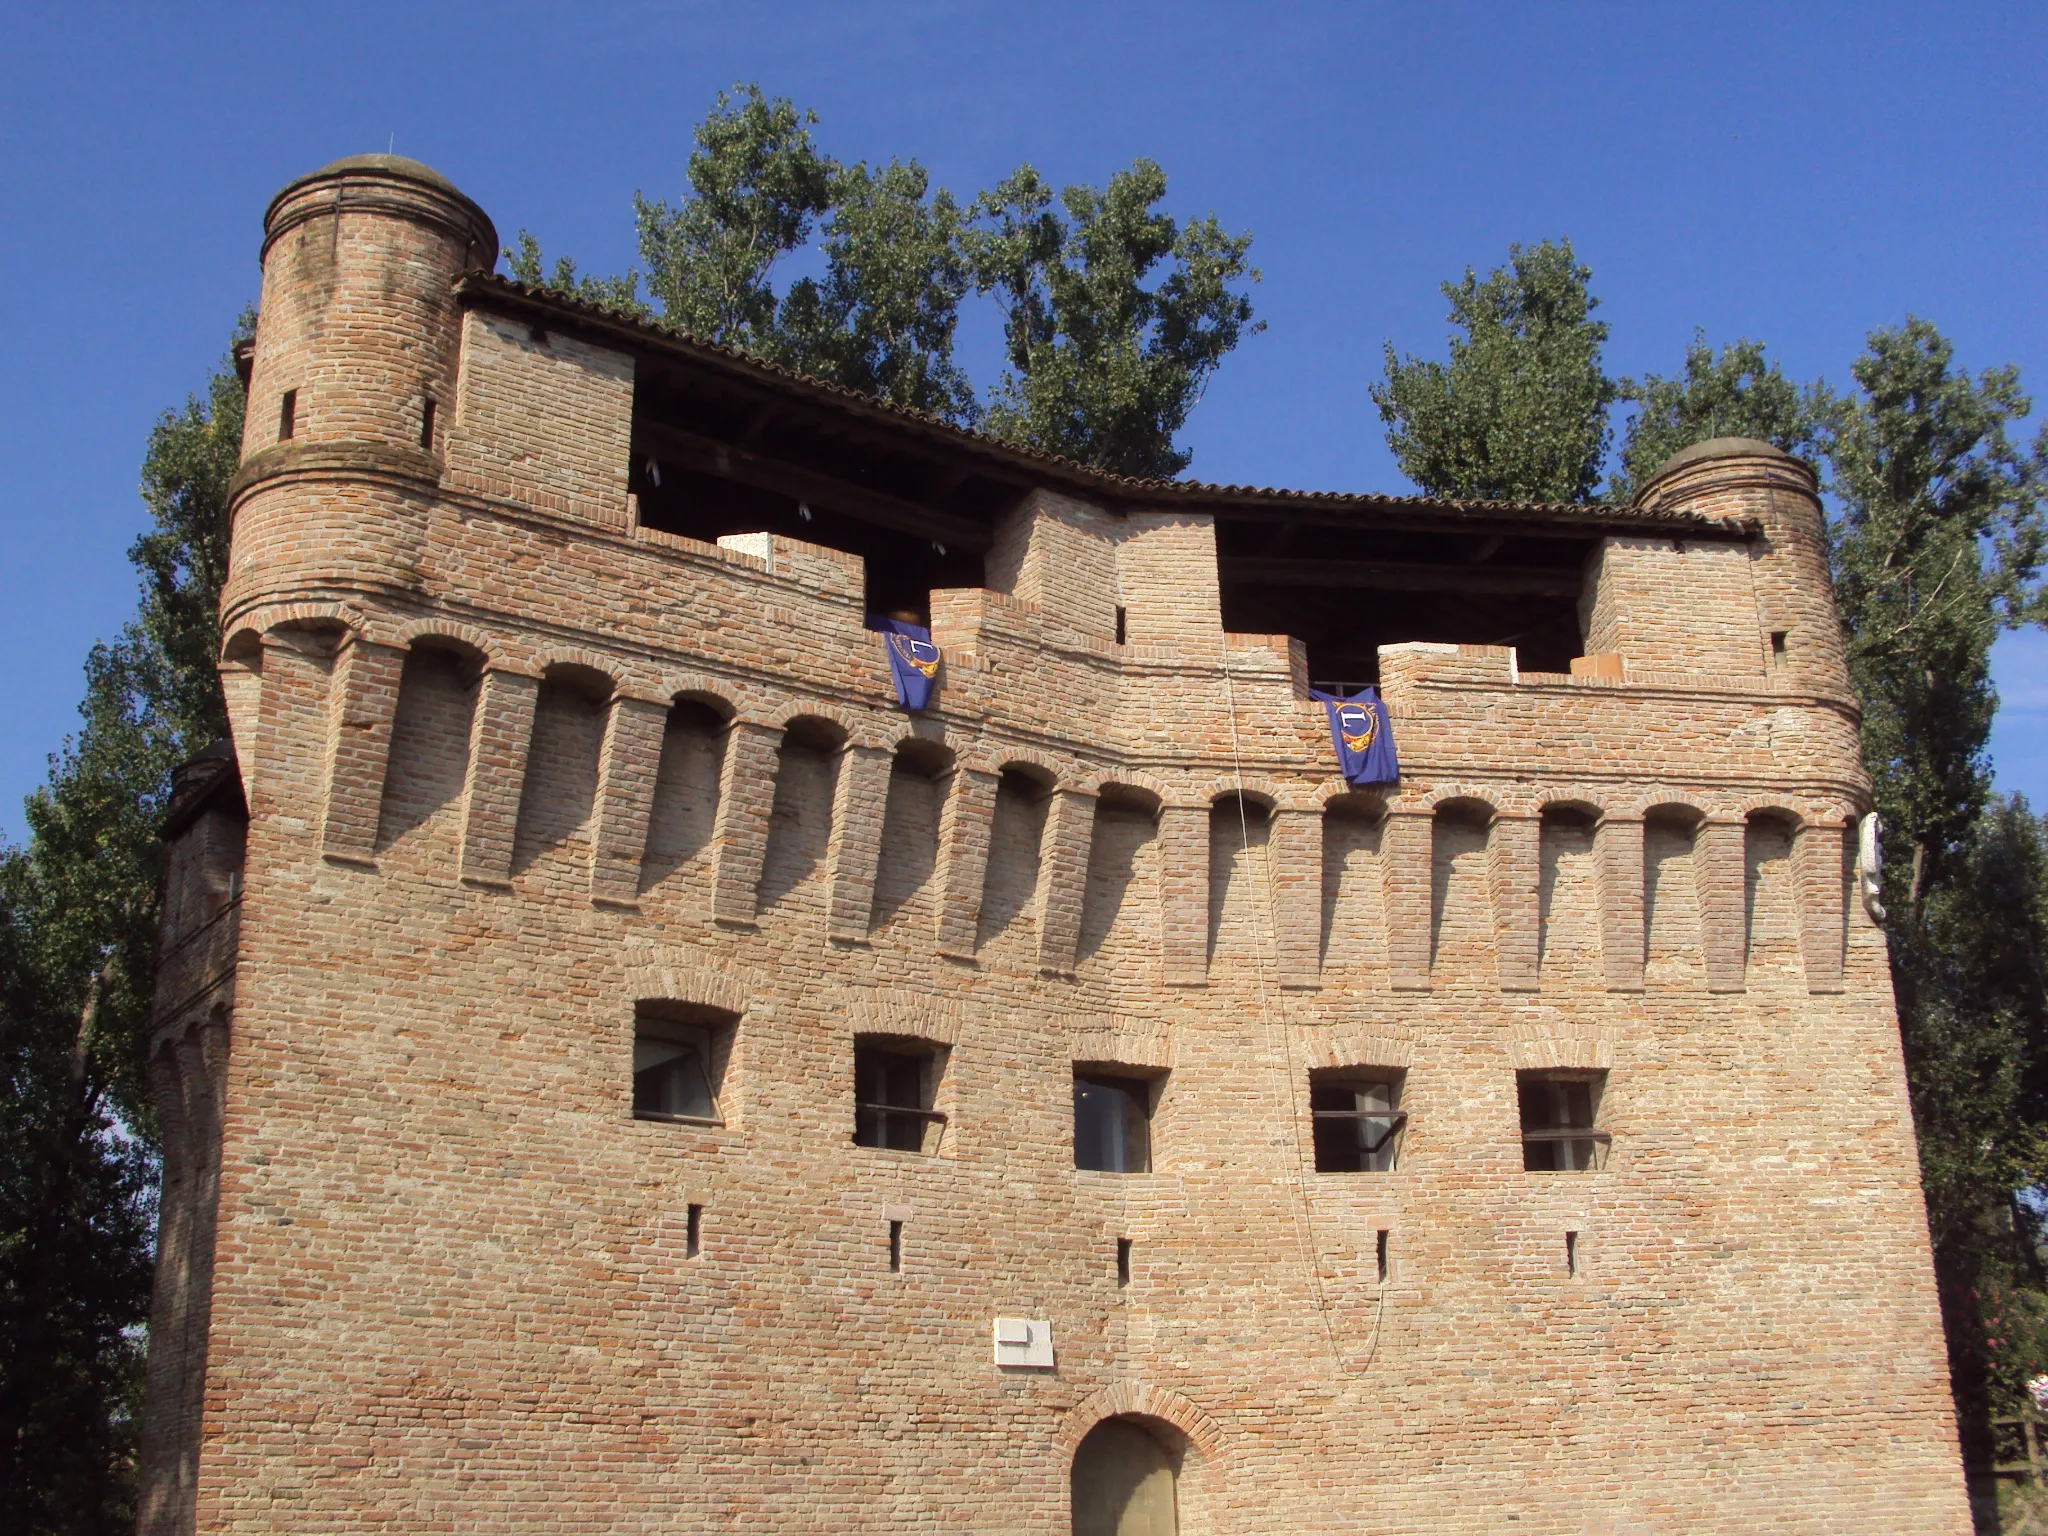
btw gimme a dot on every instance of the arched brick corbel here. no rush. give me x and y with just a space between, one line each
484 649
1658 796
716 694
1444 794
1141 1400
1132 779
1576 797
998 758
853 727
607 667
1372 798
268 617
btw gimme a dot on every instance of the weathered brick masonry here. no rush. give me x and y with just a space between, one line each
529 754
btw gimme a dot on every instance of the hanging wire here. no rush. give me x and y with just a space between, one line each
1304 1216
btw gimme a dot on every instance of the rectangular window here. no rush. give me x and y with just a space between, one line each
427 425
287 414
1112 1123
1559 1114
892 1098
1357 1118
672 1072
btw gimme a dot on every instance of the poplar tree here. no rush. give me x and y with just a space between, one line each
1115 315
1519 412
1937 548
1102 368
1736 392
78 922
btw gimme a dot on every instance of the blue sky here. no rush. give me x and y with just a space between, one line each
1799 174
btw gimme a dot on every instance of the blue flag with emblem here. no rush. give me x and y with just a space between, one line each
1363 737
913 659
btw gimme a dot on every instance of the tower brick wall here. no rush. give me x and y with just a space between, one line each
523 764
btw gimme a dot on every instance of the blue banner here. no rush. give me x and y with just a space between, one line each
913 660
1363 737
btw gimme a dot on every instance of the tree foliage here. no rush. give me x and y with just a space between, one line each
1102 368
1115 316
1736 392
882 318
1937 547
757 187
78 919
1519 413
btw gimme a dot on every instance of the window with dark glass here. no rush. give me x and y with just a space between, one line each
1560 1111
672 1072
1112 1123
1358 1120
892 1098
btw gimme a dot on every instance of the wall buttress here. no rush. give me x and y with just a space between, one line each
746 795
1618 843
1820 854
1408 850
1513 874
1295 857
1724 930
499 739
1184 894
1063 878
860 804
964 829
625 797
364 702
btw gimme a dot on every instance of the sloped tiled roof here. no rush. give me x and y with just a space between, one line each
1272 501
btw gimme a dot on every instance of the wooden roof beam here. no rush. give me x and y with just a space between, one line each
1396 576
708 456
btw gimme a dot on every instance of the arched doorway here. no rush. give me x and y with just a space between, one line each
1123 1482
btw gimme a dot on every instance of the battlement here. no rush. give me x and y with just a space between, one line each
654 1048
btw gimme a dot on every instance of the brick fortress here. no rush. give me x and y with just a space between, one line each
621 1072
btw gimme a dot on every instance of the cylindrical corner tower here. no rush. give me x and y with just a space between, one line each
1740 477
357 331
357 344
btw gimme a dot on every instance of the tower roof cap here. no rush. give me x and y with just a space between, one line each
390 165
471 219
1720 448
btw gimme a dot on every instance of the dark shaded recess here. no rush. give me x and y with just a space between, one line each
1346 589
732 461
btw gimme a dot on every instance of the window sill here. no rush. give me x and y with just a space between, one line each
654 1119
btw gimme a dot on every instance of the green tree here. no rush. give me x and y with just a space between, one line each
78 919
1734 393
525 264
1937 547
882 318
1105 362
757 188
1103 369
1519 413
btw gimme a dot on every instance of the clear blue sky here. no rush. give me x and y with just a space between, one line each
1799 174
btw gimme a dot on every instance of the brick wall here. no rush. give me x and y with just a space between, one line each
452 1288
